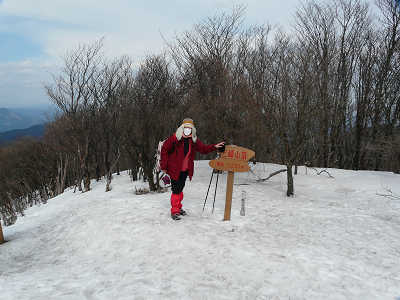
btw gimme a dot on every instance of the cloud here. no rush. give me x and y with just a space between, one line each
22 83
130 27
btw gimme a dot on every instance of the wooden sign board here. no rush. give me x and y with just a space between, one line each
234 159
232 165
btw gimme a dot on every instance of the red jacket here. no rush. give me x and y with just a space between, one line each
172 155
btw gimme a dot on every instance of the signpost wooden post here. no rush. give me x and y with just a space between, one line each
234 159
229 192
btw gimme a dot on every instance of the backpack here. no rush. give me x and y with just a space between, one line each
158 156
164 177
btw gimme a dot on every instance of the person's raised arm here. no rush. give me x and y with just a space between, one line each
205 149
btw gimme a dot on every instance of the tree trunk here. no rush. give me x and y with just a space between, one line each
357 151
79 184
86 177
98 167
110 171
44 195
1 234
290 185
64 175
118 169
86 183
98 175
158 181
61 175
148 173
117 154
108 182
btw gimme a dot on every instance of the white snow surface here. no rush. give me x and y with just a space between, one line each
336 239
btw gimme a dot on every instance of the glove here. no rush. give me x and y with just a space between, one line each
221 149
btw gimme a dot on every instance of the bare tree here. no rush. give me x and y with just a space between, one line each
363 90
72 94
56 138
352 21
316 29
27 172
385 104
107 89
149 108
210 66
280 106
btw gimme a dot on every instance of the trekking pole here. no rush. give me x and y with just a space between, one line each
205 200
215 192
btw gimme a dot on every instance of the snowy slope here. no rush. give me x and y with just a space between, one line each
336 239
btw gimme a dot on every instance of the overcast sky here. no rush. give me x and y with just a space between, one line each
34 35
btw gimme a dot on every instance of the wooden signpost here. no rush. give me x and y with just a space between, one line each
234 159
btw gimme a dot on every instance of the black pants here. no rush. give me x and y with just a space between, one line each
178 185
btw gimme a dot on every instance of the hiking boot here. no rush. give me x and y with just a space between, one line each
182 212
175 217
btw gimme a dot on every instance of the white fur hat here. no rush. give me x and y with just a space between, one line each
187 122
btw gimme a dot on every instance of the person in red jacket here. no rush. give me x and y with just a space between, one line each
177 160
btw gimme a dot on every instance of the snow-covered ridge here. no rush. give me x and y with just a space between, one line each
336 239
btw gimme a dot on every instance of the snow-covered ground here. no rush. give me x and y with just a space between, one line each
336 239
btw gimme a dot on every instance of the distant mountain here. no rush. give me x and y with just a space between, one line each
36 131
20 118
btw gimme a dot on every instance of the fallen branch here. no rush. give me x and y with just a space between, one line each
325 171
322 171
272 174
391 195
